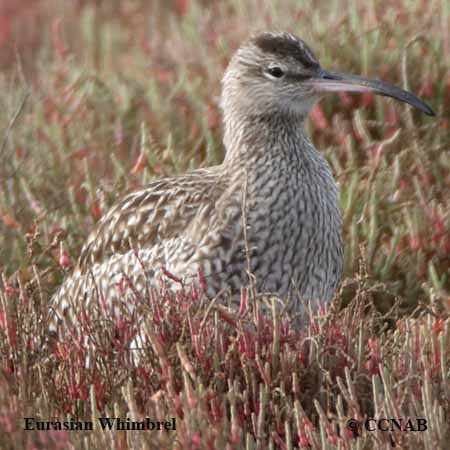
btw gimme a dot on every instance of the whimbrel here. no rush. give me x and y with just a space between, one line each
288 235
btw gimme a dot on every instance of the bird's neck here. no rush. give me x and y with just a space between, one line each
251 139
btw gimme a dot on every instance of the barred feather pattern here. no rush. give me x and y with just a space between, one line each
195 223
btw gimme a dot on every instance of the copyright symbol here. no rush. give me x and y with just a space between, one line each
352 425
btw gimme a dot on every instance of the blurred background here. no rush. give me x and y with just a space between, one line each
99 97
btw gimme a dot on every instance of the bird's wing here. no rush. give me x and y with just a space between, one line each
163 210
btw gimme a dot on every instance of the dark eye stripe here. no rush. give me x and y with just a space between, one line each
298 76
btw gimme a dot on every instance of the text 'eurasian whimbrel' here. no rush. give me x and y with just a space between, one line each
291 241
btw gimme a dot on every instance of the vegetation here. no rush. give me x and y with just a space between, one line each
99 97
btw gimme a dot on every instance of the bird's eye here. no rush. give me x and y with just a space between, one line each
275 72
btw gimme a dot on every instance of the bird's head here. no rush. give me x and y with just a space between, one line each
276 71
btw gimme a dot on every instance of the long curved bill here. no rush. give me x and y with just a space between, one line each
342 82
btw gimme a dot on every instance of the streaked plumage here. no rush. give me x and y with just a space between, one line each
272 179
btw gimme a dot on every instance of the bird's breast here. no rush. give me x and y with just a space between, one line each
294 230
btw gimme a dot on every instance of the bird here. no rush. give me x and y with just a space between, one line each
267 216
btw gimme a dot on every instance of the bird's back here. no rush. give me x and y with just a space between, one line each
173 223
